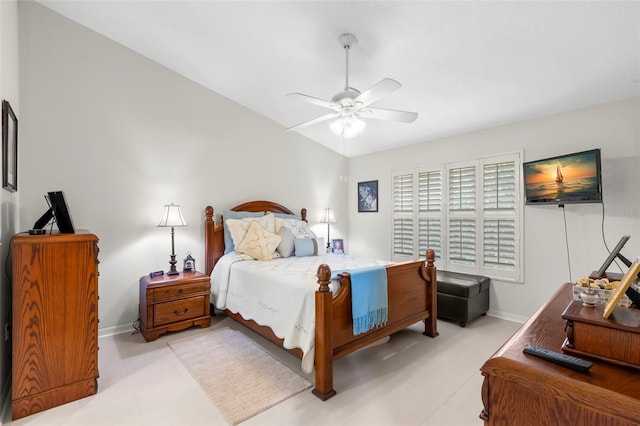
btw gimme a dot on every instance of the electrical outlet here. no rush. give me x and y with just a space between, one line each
6 332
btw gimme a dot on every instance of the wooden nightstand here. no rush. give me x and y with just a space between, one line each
173 303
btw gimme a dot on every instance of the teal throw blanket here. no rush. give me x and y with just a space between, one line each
369 301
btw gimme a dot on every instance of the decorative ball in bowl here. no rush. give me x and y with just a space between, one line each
589 298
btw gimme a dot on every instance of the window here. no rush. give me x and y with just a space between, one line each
468 213
403 215
430 212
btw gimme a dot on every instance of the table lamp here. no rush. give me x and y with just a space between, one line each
328 218
172 217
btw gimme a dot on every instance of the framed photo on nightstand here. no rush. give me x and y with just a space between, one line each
337 246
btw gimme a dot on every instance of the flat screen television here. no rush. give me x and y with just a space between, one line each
59 211
571 178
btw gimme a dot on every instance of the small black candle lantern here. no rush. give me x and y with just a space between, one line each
189 263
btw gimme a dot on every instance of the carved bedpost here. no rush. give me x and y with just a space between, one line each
208 240
431 323
213 240
324 335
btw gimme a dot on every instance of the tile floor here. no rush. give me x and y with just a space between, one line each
411 380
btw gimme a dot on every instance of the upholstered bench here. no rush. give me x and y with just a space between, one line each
462 297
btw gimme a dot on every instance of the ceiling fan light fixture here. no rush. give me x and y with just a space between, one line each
350 105
347 127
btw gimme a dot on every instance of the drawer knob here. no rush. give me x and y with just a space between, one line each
178 313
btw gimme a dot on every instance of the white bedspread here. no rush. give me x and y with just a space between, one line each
278 293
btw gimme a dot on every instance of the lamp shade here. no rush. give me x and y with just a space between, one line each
328 216
171 216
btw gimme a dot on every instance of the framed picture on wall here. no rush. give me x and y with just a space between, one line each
368 196
9 148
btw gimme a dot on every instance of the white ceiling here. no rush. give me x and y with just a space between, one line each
464 66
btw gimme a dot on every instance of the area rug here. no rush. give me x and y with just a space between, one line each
240 377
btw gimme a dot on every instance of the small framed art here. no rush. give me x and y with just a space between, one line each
368 196
9 148
337 246
616 295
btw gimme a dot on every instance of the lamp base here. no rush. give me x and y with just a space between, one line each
172 262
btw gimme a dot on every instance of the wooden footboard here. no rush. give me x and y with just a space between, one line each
412 295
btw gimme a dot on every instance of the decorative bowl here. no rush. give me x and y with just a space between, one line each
589 298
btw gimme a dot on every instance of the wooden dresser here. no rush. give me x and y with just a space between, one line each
173 303
520 389
55 320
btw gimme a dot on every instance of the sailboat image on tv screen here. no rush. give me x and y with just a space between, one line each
559 177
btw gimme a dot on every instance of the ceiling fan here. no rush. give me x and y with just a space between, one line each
351 105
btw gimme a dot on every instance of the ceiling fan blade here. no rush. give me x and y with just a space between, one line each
314 121
313 100
388 114
377 91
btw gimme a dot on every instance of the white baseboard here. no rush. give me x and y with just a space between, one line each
507 316
118 329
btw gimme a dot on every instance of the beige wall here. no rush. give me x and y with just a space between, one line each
9 202
612 127
122 136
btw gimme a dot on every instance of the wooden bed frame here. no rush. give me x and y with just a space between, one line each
411 291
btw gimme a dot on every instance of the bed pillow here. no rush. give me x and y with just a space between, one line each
231 214
299 228
308 246
258 242
239 227
286 246
286 216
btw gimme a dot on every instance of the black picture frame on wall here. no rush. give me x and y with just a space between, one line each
368 196
9 148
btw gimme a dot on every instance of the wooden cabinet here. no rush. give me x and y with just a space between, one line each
172 303
55 320
520 389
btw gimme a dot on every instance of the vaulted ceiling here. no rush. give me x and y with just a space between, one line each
463 66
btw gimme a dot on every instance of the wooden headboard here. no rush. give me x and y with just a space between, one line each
214 234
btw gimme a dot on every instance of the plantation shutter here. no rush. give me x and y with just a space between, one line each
462 189
500 244
468 212
462 218
403 216
430 212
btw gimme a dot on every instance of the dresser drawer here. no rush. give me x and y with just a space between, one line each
179 310
178 290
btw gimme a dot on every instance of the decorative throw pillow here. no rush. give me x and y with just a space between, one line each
286 246
232 214
239 227
258 242
307 246
299 228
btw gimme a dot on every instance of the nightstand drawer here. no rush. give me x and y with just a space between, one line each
179 310
179 290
